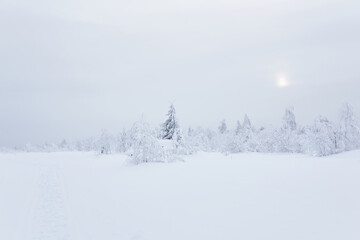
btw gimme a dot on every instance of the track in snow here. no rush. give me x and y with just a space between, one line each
48 221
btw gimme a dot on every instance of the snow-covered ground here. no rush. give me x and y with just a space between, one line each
85 196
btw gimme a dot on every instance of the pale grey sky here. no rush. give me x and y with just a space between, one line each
70 68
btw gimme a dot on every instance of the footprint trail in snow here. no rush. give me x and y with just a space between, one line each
48 220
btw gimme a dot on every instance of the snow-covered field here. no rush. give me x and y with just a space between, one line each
85 196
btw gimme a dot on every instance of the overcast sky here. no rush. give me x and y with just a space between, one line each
70 68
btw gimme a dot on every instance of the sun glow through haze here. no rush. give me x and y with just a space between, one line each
282 81
72 68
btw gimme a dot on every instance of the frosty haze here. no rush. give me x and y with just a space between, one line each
71 68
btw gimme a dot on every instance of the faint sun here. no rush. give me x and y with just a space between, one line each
282 81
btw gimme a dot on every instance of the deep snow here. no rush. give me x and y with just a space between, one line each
85 196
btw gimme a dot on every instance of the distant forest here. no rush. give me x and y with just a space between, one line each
144 143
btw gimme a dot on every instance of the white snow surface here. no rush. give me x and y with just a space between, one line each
86 196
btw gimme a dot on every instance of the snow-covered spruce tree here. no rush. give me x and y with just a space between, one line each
238 128
289 122
223 138
247 134
323 137
243 142
246 123
187 143
89 144
190 132
123 142
64 145
305 139
223 127
104 143
171 125
287 137
232 141
202 139
172 131
264 140
145 147
349 129
178 139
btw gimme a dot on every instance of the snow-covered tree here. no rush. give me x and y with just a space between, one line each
63 145
221 139
243 141
172 131
171 125
246 134
349 129
202 139
238 128
178 138
145 147
89 144
264 140
289 121
305 137
223 127
123 141
143 143
246 123
104 143
286 138
323 137
190 131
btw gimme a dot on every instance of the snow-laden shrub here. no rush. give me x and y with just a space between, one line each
180 145
349 128
222 127
286 138
145 147
104 143
201 139
264 140
243 138
323 137
122 142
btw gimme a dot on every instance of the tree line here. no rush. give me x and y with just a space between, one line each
144 143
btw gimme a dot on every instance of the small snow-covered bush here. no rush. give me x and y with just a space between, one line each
349 128
323 137
145 147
